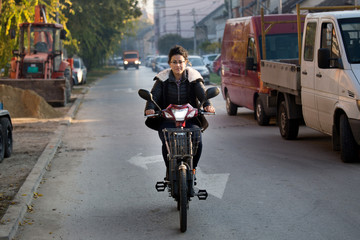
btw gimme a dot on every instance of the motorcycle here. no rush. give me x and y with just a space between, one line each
182 144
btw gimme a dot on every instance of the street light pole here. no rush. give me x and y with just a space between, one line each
193 12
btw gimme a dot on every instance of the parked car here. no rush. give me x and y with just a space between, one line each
153 61
148 60
216 68
119 61
161 63
209 59
198 64
79 72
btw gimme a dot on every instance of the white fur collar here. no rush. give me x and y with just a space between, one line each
192 74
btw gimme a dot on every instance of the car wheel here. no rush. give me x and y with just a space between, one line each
7 136
231 108
206 81
75 82
260 115
348 145
289 128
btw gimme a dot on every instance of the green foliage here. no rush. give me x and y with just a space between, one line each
15 12
95 28
99 27
209 47
168 41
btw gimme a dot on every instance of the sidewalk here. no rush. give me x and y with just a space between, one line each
23 199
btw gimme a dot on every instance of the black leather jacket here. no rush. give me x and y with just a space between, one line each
166 91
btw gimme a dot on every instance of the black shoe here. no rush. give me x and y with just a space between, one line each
166 178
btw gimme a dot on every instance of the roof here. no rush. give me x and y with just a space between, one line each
211 15
338 14
290 5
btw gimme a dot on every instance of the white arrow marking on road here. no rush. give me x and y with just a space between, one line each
127 90
142 162
214 184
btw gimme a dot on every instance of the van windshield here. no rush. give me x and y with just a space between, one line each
350 32
280 46
131 55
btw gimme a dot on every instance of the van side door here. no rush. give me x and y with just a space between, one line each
309 107
327 79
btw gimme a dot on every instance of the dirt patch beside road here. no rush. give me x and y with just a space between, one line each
30 137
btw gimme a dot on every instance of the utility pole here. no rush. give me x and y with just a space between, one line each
57 11
193 12
229 9
280 6
178 26
164 17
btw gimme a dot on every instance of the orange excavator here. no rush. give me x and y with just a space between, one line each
38 64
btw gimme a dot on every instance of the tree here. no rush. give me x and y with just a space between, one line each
94 27
209 47
12 13
99 27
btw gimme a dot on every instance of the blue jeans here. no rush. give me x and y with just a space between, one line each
168 124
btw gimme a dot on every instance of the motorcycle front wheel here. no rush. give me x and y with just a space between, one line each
183 200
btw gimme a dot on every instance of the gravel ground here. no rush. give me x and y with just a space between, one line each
30 137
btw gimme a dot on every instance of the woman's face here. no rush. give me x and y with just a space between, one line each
178 64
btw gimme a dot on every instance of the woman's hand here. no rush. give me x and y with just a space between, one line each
209 108
149 112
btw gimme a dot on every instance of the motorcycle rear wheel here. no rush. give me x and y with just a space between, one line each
183 199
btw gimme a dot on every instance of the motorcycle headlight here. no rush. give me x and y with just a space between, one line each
180 114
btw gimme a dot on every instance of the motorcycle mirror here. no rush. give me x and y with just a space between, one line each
212 92
145 94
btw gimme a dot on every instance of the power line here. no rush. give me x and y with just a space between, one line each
188 4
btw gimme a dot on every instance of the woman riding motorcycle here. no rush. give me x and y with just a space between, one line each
178 85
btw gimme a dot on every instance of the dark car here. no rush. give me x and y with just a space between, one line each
198 64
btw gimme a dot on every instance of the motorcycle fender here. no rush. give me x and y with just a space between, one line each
182 166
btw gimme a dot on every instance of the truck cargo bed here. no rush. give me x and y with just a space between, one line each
283 75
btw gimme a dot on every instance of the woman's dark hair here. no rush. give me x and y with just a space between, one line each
178 50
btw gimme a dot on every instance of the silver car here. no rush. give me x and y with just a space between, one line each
198 64
79 72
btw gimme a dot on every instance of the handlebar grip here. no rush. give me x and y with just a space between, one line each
156 114
208 113
202 112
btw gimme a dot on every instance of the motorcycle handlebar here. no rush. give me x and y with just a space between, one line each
200 112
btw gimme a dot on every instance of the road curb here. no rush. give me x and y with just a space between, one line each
22 200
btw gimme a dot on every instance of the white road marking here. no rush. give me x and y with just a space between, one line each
214 184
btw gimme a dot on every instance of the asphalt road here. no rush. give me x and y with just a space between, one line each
101 183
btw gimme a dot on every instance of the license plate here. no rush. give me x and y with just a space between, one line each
32 69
